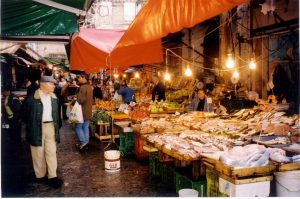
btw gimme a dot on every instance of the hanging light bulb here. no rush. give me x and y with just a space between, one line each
167 76
124 75
229 61
137 75
188 72
116 75
236 74
252 64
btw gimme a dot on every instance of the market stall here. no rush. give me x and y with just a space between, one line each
213 146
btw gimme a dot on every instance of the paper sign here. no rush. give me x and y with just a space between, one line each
209 100
264 126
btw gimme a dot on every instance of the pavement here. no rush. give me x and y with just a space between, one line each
83 174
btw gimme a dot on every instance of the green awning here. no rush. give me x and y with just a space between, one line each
28 18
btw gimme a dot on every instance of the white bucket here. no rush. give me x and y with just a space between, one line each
187 193
112 160
288 183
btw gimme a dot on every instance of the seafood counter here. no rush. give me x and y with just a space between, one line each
259 137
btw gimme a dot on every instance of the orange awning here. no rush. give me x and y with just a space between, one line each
141 43
91 55
159 18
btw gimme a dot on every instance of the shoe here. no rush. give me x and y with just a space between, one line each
55 182
83 147
41 180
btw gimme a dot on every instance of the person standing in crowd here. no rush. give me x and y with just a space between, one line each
65 93
159 89
34 76
127 93
34 85
85 99
116 96
57 92
201 102
97 92
42 131
12 115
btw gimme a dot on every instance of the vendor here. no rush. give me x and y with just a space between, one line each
159 90
218 108
127 93
201 102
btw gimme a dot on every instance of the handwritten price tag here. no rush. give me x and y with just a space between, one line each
264 126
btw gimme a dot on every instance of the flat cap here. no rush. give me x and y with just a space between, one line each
48 79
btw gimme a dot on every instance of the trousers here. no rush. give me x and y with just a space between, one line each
44 157
82 131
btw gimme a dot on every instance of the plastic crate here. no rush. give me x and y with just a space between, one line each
154 164
168 175
212 179
183 182
126 142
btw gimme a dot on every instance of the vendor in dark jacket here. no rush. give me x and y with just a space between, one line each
127 93
159 90
42 131
200 103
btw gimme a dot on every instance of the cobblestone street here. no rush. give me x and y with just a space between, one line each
83 174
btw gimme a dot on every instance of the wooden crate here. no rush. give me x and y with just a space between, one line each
247 180
243 172
288 166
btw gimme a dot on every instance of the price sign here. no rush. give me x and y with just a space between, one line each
264 126
209 100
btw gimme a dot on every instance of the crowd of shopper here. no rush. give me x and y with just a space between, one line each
46 105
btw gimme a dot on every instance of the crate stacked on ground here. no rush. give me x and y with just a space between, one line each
238 181
126 137
161 170
212 179
154 165
183 182
126 142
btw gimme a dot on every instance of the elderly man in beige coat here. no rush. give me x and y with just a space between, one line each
85 99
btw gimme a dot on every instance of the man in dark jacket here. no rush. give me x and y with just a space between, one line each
85 99
159 89
42 131
97 92
11 114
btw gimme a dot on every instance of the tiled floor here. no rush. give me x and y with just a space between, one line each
83 174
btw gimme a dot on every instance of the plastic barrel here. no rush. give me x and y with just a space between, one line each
188 193
112 160
288 183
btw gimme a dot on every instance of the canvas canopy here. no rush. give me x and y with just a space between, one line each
28 18
91 50
158 19
141 43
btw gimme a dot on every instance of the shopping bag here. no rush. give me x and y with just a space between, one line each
76 114
68 111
